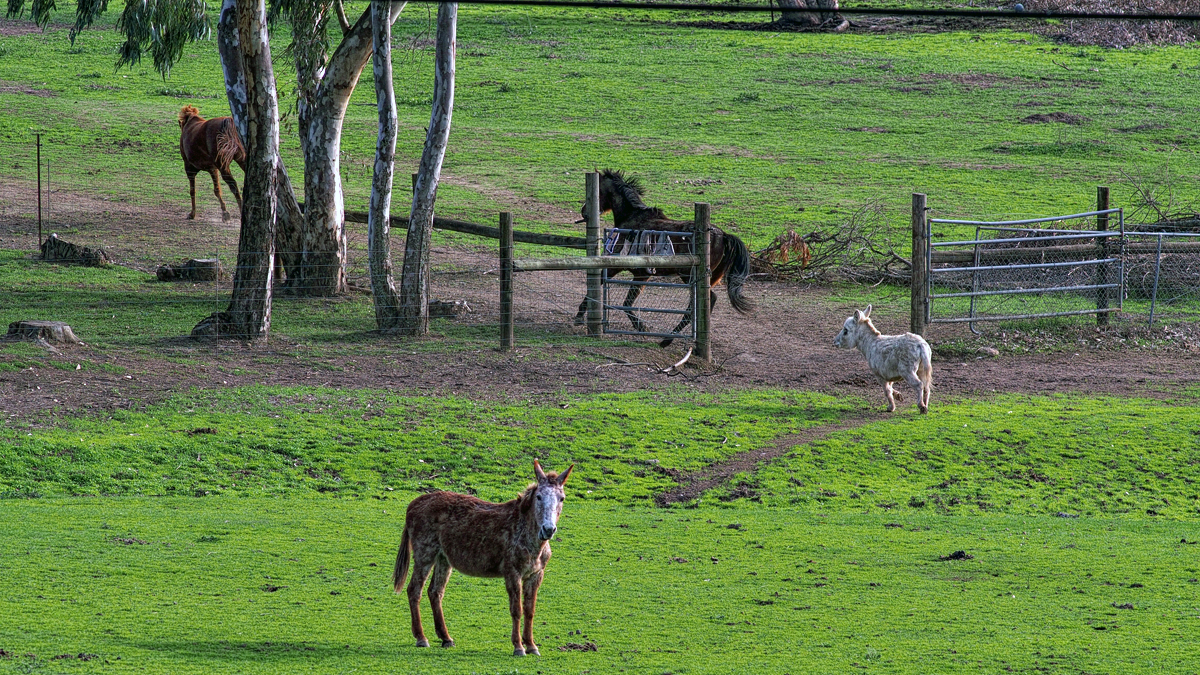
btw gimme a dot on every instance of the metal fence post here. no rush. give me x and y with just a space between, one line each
506 282
1102 270
592 216
920 262
700 243
39 187
1157 267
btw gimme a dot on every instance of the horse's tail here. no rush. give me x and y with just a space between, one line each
739 270
402 556
229 145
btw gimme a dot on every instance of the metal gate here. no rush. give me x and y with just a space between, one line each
623 312
1012 271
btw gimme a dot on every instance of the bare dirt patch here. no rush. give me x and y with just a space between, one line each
1059 117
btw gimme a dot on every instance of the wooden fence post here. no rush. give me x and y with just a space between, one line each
595 313
700 242
506 282
920 266
1102 270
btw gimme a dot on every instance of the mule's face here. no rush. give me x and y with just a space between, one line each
843 338
547 507
548 500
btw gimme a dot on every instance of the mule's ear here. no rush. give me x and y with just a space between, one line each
858 315
867 314
562 477
537 471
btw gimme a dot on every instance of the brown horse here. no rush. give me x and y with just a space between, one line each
445 531
729 259
210 145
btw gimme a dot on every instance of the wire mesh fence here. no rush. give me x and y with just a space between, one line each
1162 278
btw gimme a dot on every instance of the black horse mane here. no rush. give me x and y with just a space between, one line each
630 188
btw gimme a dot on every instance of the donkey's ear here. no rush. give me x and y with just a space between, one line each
537 471
562 477
867 314
858 315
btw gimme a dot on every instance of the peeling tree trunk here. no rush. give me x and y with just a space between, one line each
379 254
249 314
322 111
414 285
289 217
827 17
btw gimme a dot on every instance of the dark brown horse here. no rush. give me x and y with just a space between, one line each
445 531
210 145
729 259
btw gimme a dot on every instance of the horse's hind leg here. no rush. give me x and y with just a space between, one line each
192 183
683 323
232 185
422 562
630 298
437 588
217 191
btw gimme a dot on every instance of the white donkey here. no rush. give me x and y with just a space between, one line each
891 358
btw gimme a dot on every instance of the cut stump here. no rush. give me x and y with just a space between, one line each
50 331
204 269
55 249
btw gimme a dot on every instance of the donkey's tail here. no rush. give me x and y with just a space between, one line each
402 556
229 145
739 269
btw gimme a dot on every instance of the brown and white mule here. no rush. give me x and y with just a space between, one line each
445 531
210 145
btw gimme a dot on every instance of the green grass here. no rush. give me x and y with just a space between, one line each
260 585
251 530
774 129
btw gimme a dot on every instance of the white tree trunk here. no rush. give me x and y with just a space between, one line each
414 285
249 314
379 254
827 16
289 219
323 268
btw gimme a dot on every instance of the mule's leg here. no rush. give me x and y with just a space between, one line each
422 561
918 387
191 174
582 310
217 191
437 588
232 185
891 398
512 583
531 589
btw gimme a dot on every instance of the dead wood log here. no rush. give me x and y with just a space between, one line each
48 331
205 269
55 249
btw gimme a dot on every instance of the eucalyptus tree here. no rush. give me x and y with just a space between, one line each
313 246
379 255
414 285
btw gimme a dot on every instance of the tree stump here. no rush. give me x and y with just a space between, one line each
204 269
55 249
50 331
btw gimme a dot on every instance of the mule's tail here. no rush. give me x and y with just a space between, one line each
229 146
739 270
402 556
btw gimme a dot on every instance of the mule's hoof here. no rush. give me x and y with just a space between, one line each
446 644
665 343
534 651
518 652
578 321
422 643
191 216
226 217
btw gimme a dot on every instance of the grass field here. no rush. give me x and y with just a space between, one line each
277 554
204 528
774 129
